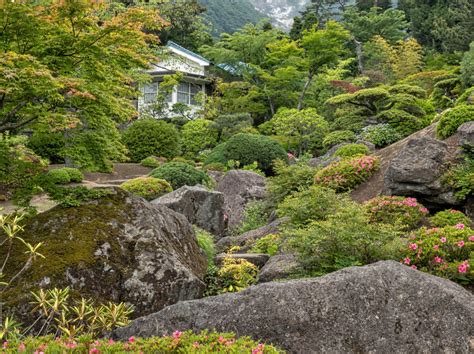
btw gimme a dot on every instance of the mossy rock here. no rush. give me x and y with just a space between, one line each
117 248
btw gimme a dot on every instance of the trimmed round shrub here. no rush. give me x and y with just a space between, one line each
153 161
183 160
449 217
247 149
147 187
180 174
215 166
338 137
344 175
351 150
58 176
380 135
451 120
198 135
48 145
151 137
400 211
75 175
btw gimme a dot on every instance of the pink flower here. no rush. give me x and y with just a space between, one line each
5 345
131 339
407 260
111 341
436 247
424 210
177 334
462 268
459 226
94 351
21 347
461 243
196 345
471 238
259 349
71 345
438 259
413 246
443 239
222 340
414 267
454 211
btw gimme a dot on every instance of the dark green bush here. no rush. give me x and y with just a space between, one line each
449 217
215 166
75 175
48 145
453 119
338 137
380 135
180 174
153 161
148 137
58 176
351 150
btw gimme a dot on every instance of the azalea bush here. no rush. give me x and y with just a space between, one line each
351 150
147 187
449 217
180 174
445 252
153 161
380 135
177 342
346 174
404 212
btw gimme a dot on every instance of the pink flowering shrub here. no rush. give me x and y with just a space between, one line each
346 174
177 342
446 252
449 217
406 212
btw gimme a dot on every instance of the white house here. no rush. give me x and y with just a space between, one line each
178 59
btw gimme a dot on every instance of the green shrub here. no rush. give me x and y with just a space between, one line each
402 122
449 217
269 244
452 119
445 252
198 135
150 137
351 150
256 215
308 205
48 145
236 274
206 242
215 166
380 135
346 238
346 174
147 187
228 125
461 178
248 148
183 160
405 213
152 161
75 175
338 137
349 119
58 176
466 98
180 174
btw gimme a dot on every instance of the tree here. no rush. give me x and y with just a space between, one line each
467 67
71 69
367 5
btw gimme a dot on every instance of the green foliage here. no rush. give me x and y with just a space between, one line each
346 174
180 174
351 150
230 124
75 175
467 97
147 137
184 160
449 217
404 213
312 204
198 135
256 215
206 242
346 238
153 161
179 342
215 166
289 179
69 197
467 67
269 244
338 137
48 145
460 178
58 176
445 252
380 135
147 187
236 274
452 119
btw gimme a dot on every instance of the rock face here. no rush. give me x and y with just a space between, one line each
416 171
240 187
466 133
257 259
278 267
253 235
381 308
117 248
201 207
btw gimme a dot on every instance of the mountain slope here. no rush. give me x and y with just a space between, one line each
281 12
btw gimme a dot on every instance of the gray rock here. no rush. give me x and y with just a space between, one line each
240 187
466 133
244 241
258 259
201 207
381 308
327 158
277 267
118 248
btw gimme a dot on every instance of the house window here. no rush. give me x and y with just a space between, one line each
149 92
187 92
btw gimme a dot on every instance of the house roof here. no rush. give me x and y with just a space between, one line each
186 52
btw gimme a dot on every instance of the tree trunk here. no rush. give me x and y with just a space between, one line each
305 88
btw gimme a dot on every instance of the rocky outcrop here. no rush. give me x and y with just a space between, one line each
257 259
466 134
240 187
200 206
277 267
381 308
246 240
118 248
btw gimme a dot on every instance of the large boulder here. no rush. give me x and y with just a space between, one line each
118 248
466 133
200 206
381 308
277 267
240 187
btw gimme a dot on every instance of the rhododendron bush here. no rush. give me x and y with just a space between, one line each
406 212
346 174
445 252
449 217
